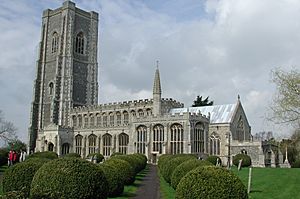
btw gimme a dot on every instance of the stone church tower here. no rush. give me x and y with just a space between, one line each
67 67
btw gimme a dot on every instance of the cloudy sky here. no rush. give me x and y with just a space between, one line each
212 48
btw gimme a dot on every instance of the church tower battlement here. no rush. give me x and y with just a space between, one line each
66 69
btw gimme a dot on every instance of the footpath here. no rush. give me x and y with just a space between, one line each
149 188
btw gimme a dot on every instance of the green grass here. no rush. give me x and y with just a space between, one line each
166 191
267 183
274 183
130 190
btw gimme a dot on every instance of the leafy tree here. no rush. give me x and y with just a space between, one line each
7 129
200 102
286 103
16 145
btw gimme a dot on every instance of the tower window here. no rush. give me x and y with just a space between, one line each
79 43
51 85
54 44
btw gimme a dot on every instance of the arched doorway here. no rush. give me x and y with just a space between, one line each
50 146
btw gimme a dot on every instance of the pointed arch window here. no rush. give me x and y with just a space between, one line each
158 138
126 117
214 144
111 119
92 143
107 144
79 43
240 130
141 139
197 139
118 118
176 139
78 144
123 143
54 43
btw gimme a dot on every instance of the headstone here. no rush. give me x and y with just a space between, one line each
240 164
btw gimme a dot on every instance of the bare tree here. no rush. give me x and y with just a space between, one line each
7 129
286 103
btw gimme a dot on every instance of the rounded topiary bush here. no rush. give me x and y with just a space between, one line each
116 153
18 177
98 157
123 167
214 160
72 155
211 182
133 161
70 178
163 159
46 154
168 169
114 180
142 160
246 160
185 167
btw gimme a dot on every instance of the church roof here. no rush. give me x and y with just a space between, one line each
218 113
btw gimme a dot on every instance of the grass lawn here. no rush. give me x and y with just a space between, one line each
267 183
130 190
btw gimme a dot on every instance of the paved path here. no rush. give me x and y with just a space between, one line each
149 188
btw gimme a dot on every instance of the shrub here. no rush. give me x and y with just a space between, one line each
96 156
133 161
141 160
180 171
246 160
171 166
214 159
46 154
3 156
18 177
163 159
114 180
123 167
69 178
211 182
72 155
116 153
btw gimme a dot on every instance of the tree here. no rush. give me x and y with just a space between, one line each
286 103
7 129
200 102
16 145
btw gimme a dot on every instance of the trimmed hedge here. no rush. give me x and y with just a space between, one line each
114 180
46 154
18 177
185 167
213 159
169 167
70 178
132 160
123 167
72 155
116 153
163 159
246 160
296 164
211 182
96 156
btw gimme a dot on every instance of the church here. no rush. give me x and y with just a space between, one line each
66 116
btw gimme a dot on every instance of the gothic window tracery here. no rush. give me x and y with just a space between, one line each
92 120
65 148
104 117
86 120
51 88
107 144
197 138
214 144
126 117
176 140
92 143
141 139
54 43
79 43
98 119
118 118
74 121
111 119
158 138
78 144
79 121
141 113
123 143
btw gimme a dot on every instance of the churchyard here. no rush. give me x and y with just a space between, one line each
176 173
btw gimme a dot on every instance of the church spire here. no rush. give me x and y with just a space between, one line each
156 93
156 85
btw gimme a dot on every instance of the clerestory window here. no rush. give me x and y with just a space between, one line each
79 43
